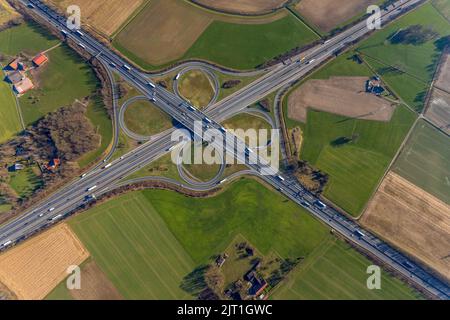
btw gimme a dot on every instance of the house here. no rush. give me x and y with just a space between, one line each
13 65
221 260
40 59
257 284
15 77
373 85
16 167
53 164
23 86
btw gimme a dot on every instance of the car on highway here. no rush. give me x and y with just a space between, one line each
51 209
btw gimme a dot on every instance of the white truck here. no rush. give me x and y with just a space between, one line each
81 34
92 188
320 204
127 67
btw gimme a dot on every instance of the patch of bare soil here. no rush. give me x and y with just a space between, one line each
345 96
95 285
328 14
412 220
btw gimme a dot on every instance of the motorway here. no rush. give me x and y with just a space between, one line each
70 198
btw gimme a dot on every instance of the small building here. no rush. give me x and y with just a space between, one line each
23 86
257 285
40 60
221 260
13 65
374 86
53 164
15 77
16 167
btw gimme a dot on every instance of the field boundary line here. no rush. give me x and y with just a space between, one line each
303 21
130 19
388 169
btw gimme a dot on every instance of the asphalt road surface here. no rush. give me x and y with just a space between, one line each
99 181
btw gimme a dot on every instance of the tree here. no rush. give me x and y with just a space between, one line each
414 35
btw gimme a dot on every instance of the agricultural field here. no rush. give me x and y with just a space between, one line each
32 269
130 243
28 38
9 116
196 87
329 14
246 7
425 161
345 96
94 286
413 220
60 82
443 6
354 168
178 30
438 109
7 13
335 271
418 61
106 16
144 118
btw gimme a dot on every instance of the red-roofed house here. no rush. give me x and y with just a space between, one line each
53 164
13 65
40 59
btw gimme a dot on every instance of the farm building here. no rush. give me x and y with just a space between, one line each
23 86
374 86
40 60
15 77
13 65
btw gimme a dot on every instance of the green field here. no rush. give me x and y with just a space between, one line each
144 118
9 117
241 46
147 242
64 78
418 61
131 244
425 161
29 38
245 46
443 6
356 168
25 182
335 271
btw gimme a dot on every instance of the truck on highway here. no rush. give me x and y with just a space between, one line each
92 188
223 129
223 181
7 243
30 5
177 76
359 233
151 85
51 209
55 217
64 32
207 120
126 67
82 45
81 34
280 178
311 61
107 166
191 107
320 204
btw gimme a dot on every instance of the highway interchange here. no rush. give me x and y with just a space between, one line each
78 192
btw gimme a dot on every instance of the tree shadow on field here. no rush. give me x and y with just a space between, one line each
194 283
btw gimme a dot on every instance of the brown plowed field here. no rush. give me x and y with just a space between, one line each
328 14
340 95
412 220
104 15
32 269
95 285
252 7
